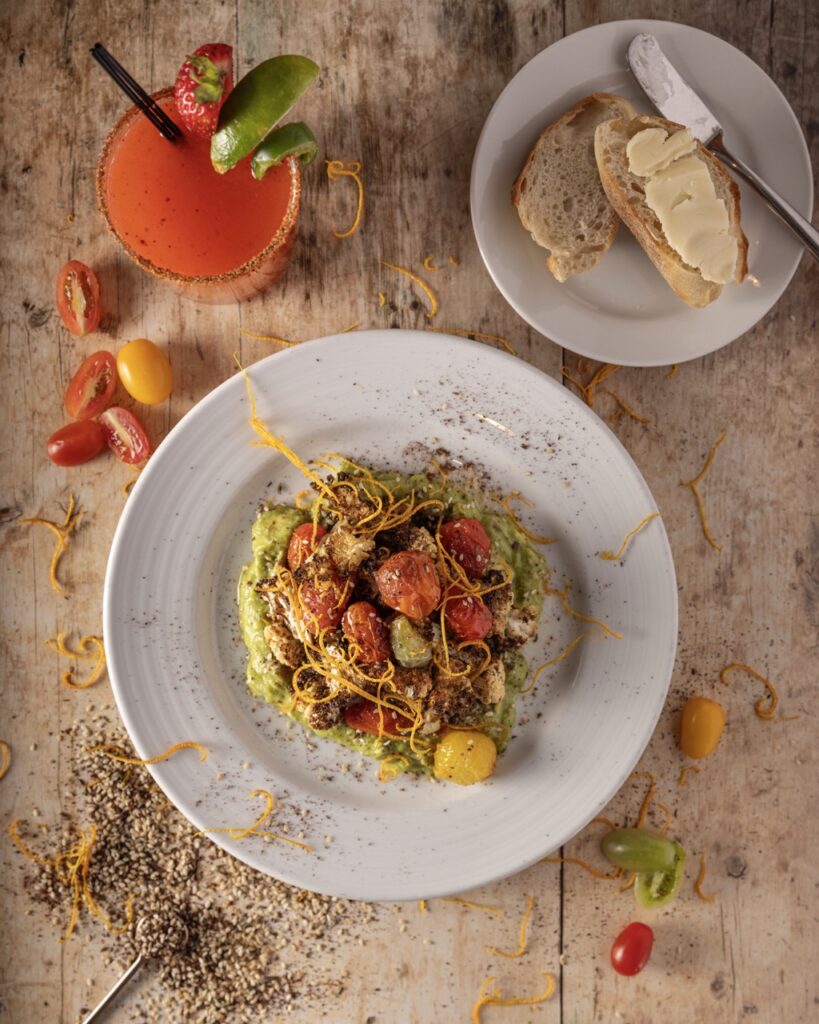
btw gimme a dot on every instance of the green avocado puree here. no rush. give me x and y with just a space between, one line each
270 535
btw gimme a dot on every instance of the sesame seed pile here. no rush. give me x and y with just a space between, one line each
226 942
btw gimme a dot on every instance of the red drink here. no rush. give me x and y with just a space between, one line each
217 237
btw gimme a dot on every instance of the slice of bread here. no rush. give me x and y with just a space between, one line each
626 193
558 194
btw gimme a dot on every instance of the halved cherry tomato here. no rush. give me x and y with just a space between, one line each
701 725
364 627
145 371
408 582
126 437
303 541
78 297
324 602
76 443
92 387
466 616
469 544
363 715
632 948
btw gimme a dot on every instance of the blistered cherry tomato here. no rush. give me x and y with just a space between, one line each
632 948
656 888
303 541
145 371
408 582
76 443
324 602
469 544
637 849
78 297
464 757
466 616
364 627
363 716
126 438
701 725
92 387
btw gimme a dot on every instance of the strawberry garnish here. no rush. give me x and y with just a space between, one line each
202 86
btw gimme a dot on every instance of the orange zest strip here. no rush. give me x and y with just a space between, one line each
524 924
648 798
428 265
61 647
613 556
352 327
581 387
392 766
627 409
583 365
269 337
492 997
766 712
472 906
434 305
611 825
453 261
128 486
506 504
554 661
62 531
564 600
5 756
462 332
595 872
336 170
709 898
255 828
672 373
668 816
685 771
21 846
382 300
694 485
115 753
422 907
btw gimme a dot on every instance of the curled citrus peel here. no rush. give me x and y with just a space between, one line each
97 651
256 828
492 997
5 758
613 556
694 485
62 531
434 304
463 332
685 771
555 661
116 753
563 596
392 765
524 924
471 905
708 897
506 504
336 170
767 712
428 265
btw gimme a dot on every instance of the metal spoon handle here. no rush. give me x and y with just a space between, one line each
799 225
123 981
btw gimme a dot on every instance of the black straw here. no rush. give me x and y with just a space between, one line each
134 91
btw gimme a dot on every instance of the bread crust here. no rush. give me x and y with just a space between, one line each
624 190
563 262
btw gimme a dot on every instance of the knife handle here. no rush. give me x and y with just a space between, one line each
799 225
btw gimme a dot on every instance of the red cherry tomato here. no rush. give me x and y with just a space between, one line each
303 541
76 443
324 602
467 618
364 627
632 948
408 582
363 716
78 297
469 544
92 387
126 438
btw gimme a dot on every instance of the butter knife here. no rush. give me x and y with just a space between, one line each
677 101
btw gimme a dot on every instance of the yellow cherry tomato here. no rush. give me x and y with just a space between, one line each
701 726
144 371
464 757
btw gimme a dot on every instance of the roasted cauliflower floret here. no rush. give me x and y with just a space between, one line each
490 685
522 624
347 550
287 650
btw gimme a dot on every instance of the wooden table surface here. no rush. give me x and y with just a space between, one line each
405 88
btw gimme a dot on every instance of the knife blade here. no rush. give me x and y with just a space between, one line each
668 90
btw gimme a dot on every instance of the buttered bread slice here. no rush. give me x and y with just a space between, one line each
678 201
558 194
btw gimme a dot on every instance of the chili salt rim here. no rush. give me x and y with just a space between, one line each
284 234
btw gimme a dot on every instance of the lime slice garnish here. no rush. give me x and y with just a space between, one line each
294 139
257 103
